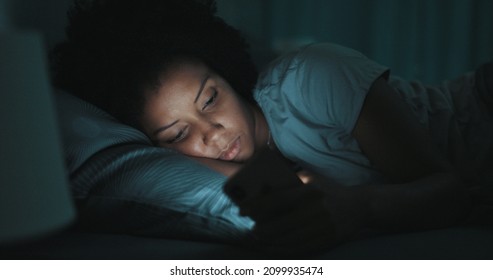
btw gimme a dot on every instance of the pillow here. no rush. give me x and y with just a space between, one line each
121 183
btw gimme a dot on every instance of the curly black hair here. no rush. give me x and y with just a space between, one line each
116 49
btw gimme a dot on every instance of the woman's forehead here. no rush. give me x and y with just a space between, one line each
179 88
183 76
184 65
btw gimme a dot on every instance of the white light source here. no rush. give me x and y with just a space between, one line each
34 193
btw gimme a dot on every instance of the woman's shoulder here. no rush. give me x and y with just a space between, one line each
285 64
305 76
322 79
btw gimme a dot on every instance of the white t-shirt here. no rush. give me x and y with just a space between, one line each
312 99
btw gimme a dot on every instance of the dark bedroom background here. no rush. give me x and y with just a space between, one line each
421 39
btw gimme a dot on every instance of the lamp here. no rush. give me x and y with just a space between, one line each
34 193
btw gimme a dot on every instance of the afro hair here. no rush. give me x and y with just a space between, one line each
116 49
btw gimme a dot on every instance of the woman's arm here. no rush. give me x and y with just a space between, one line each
434 201
390 136
425 192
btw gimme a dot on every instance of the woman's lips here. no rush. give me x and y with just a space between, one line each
232 150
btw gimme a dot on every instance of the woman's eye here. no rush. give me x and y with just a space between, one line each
177 138
211 100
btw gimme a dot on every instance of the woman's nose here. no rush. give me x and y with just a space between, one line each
213 134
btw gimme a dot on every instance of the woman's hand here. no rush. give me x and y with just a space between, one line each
314 216
293 220
349 206
308 218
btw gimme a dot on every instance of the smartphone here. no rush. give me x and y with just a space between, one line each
267 171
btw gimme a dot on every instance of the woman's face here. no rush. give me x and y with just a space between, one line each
196 112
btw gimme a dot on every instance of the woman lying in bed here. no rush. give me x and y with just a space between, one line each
376 151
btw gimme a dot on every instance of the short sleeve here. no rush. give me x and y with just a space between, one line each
333 82
311 100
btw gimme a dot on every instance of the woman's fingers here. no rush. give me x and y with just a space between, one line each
294 217
307 217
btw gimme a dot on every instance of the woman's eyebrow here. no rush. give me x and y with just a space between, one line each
161 129
202 85
201 89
